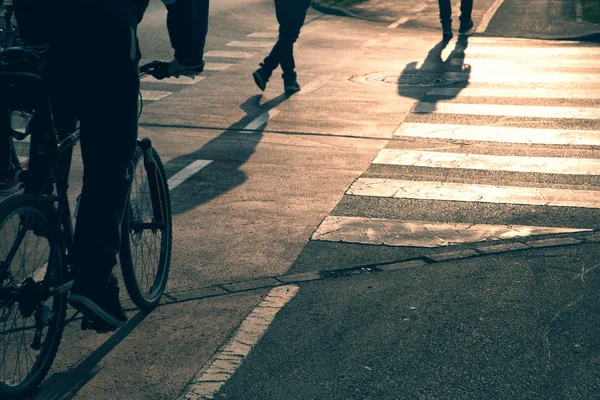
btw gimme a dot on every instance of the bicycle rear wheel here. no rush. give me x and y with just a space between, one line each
31 321
147 232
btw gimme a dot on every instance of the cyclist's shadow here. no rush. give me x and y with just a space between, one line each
451 74
228 152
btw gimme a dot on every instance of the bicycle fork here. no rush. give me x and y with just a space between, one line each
152 173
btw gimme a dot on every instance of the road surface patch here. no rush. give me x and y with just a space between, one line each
401 233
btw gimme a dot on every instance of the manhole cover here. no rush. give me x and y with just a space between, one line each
406 79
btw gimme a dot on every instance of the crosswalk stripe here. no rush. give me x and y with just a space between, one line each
217 66
501 134
534 51
228 54
432 159
522 64
512 40
182 80
502 76
239 43
507 110
154 94
263 35
533 93
449 191
392 232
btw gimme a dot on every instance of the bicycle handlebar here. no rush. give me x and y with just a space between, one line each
158 69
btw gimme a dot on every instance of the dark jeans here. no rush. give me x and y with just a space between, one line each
187 22
290 15
466 7
93 75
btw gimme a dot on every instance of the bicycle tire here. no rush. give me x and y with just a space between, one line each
26 210
146 289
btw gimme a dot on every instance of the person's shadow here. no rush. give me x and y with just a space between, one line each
436 79
228 152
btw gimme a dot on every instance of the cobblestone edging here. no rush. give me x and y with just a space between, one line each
484 249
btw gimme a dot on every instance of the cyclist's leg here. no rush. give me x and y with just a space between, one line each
108 143
108 97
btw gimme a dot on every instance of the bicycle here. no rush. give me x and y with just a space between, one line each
9 30
36 231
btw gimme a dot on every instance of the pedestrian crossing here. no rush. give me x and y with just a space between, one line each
216 62
514 140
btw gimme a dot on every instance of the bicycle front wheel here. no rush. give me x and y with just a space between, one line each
147 232
31 320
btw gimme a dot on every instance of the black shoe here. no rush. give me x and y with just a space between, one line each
261 77
291 86
176 69
465 26
447 30
99 303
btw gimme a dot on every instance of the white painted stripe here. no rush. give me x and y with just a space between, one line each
228 54
260 121
369 43
497 76
420 8
523 65
487 17
500 134
263 35
182 80
517 51
448 191
315 84
187 172
513 40
533 93
232 354
401 21
507 110
154 94
545 165
217 66
237 43
392 232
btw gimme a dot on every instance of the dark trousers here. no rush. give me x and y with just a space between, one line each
93 75
290 15
466 7
187 22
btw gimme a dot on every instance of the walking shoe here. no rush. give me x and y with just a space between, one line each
9 182
261 77
291 85
99 303
176 69
465 26
447 30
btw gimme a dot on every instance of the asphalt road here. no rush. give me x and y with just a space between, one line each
508 325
